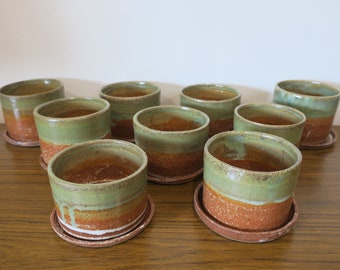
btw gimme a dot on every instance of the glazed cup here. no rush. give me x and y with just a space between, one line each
173 138
18 101
318 101
250 179
218 101
276 119
99 188
66 121
126 99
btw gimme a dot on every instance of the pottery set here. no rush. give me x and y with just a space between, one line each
250 172
18 101
101 152
99 186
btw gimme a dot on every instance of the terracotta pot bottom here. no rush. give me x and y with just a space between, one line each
173 180
240 235
329 141
10 140
149 212
42 163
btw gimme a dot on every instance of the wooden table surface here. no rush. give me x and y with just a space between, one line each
176 238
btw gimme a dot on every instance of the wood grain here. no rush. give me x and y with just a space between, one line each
176 237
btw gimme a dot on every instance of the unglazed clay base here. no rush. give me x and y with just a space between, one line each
330 140
108 242
19 143
174 180
42 163
239 235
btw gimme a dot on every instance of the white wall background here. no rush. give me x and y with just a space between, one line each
248 44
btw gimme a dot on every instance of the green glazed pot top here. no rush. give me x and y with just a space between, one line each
312 98
276 119
216 100
251 186
175 140
129 90
103 194
269 114
127 98
72 120
26 95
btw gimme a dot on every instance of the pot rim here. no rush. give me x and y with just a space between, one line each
229 89
36 110
108 142
103 94
296 113
171 107
332 88
265 136
38 80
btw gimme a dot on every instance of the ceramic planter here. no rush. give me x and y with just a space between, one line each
99 188
126 99
276 119
216 100
63 122
318 101
250 179
18 101
173 137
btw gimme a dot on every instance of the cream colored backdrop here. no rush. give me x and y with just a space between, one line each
248 44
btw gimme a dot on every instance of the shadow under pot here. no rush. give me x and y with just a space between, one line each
173 138
18 100
64 122
249 180
99 190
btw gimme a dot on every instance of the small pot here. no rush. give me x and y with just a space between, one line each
173 138
18 101
99 188
66 121
276 119
250 179
126 99
318 101
216 100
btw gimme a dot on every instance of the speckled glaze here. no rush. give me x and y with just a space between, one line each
318 101
99 211
175 156
276 119
243 198
218 101
18 101
57 133
127 98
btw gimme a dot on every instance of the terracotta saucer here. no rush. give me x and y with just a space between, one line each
42 163
174 180
239 235
19 143
108 242
330 140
